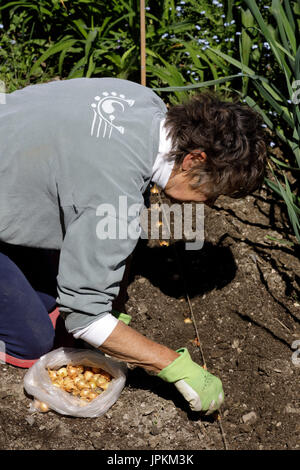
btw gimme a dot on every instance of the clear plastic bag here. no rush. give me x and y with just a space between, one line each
38 383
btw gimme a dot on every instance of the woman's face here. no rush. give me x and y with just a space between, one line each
180 190
179 184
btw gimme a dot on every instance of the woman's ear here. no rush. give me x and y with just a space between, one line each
192 159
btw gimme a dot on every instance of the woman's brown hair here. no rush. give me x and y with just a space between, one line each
233 138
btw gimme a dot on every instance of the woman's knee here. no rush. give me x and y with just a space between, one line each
39 347
25 326
25 345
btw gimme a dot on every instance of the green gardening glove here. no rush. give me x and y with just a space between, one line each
121 316
201 389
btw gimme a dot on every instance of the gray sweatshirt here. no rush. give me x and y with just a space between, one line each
68 151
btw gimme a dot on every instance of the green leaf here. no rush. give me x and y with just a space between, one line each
286 32
78 69
200 85
91 67
81 26
287 196
89 40
60 46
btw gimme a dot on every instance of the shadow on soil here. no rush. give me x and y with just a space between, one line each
139 379
175 270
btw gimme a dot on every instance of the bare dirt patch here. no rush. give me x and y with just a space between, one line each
245 295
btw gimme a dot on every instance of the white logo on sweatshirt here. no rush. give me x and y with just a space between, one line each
104 112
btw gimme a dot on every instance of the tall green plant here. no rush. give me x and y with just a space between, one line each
82 38
275 99
180 57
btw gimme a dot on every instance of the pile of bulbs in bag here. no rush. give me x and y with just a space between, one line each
76 382
86 382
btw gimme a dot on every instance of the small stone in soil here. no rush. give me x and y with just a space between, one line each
154 430
30 420
249 418
245 427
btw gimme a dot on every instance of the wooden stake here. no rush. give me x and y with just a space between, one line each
143 42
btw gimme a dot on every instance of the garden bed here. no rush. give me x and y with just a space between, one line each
244 293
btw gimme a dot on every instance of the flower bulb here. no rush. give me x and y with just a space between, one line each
85 393
104 386
92 395
62 372
41 406
52 374
88 375
81 384
101 381
72 371
92 384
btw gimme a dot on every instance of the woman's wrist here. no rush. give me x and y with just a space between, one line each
127 344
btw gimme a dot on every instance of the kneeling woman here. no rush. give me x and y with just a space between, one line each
70 149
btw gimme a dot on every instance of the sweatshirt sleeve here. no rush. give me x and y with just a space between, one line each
92 264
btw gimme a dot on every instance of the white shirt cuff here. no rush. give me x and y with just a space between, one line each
162 167
96 333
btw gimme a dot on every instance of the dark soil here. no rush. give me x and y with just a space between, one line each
244 292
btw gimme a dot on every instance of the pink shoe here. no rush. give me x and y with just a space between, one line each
14 361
